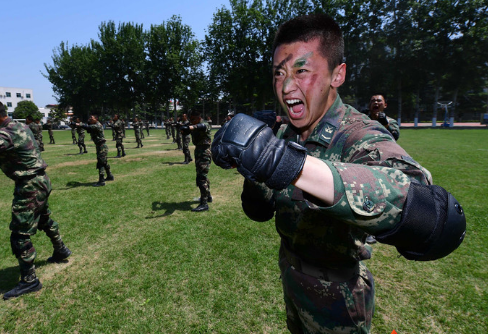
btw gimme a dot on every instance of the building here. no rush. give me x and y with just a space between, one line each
11 96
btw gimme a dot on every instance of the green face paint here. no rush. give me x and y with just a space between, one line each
286 82
302 60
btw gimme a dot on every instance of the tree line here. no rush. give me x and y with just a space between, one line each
415 52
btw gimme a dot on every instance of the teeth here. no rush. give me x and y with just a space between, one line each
294 101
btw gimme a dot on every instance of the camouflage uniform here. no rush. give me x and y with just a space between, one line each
72 125
123 128
49 127
327 289
146 125
98 137
119 137
81 138
177 126
20 160
141 129
137 133
37 132
202 140
186 138
167 128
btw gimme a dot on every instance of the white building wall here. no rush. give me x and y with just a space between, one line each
11 96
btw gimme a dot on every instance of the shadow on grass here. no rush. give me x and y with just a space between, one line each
170 208
170 163
76 184
68 154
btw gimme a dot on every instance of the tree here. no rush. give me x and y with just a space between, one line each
26 108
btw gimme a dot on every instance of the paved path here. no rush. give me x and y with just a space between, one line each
439 125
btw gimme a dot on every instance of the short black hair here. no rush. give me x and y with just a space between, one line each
379 93
30 118
3 112
308 27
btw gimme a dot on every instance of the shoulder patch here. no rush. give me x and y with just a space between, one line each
327 133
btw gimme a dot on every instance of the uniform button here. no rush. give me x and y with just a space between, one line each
368 205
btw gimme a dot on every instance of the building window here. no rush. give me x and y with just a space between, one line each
9 104
27 96
19 95
8 94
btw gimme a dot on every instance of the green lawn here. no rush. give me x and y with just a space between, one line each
144 263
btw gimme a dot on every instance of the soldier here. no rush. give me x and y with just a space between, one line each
20 160
173 129
81 136
119 136
141 128
36 129
167 128
137 132
49 126
377 106
329 178
146 125
123 127
177 126
72 125
201 138
186 137
95 129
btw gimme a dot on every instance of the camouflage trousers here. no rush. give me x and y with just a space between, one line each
73 136
81 141
102 164
186 147
203 159
178 139
30 212
314 305
119 145
138 137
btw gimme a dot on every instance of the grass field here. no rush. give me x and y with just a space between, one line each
144 263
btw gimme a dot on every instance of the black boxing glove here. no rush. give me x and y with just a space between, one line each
185 129
382 118
250 145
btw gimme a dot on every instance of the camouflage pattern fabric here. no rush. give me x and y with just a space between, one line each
37 132
372 175
137 133
141 129
393 127
202 140
72 125
49 127
167 128
119 135
98 137
81 137
20 160
185 140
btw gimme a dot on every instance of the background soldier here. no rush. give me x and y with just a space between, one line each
95 129
119 136
137 132
177 126
167 128
20 160
377 106
173 129
72 125
186 137
81 137
201 138
146 124
141 128
49 127
36 131
37 120
123 127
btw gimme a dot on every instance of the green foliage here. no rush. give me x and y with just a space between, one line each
27 108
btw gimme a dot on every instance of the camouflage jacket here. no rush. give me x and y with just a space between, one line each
202 136
36 130
80 130
372 175
19 154
118 128
96 133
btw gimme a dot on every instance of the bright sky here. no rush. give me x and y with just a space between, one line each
32 29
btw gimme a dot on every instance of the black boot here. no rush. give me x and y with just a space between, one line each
209 198
28 283
101 181
110 177
202 207
59 255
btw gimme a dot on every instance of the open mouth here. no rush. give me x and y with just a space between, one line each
295 106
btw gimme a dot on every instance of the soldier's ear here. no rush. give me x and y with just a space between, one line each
338 75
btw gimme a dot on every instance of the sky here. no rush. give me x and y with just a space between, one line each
32 29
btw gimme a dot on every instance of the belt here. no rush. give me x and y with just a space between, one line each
325 273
